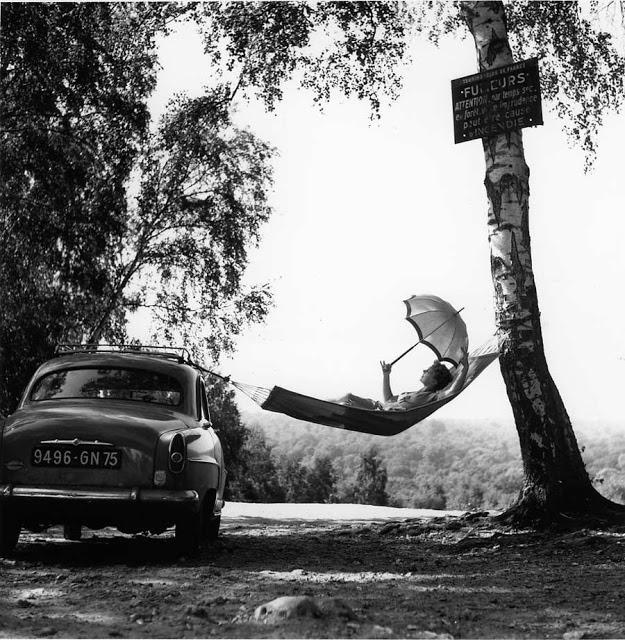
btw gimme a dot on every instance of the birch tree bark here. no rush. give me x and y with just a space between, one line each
556 482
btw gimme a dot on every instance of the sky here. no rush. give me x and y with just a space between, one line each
368 213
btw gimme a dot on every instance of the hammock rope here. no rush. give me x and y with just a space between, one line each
258 394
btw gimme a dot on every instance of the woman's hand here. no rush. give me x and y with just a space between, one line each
460 374
386 368
465 356
387 393
463 364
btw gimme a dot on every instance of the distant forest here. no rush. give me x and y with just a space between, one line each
451 464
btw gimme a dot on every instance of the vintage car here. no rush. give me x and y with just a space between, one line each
117 437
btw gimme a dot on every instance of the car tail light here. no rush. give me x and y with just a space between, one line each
177 454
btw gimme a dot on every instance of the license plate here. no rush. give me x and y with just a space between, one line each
78 457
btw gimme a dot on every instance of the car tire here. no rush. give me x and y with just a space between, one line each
195 528
188 534
212 530
72 531
10 528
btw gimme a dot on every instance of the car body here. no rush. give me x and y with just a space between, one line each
116 437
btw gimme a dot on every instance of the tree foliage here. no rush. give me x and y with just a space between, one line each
75 79
582 72
353 48
227 422
202 200
581 69
315 481
360 48
321 480
258 480
371 479
449 465
101 213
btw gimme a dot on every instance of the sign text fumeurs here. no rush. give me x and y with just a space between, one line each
497 101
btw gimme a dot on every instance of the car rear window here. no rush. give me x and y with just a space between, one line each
109 384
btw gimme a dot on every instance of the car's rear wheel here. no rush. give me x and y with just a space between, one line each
72 531
193 528
10 528
212 530
189 533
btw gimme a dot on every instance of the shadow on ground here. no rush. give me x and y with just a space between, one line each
446 577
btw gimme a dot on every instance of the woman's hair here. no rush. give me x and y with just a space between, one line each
441 374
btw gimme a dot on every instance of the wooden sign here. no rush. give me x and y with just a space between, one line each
497 101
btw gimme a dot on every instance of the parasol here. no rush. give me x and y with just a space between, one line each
439 326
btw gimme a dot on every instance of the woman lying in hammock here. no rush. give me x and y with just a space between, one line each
437 382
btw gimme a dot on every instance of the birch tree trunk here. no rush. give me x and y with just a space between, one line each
555 480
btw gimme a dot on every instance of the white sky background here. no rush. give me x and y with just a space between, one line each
368 213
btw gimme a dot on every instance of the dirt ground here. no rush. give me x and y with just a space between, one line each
433 576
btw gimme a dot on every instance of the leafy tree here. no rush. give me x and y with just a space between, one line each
371 479
352 47
292 477
233 434
202 200
78 250
431 495
259 481
303 482
556 480
74 79
358 53
483 471
321 481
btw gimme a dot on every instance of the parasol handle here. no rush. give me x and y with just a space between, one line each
428 335
404 353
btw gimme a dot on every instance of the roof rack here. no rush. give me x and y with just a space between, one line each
181 354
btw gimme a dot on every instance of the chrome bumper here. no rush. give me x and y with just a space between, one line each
189 497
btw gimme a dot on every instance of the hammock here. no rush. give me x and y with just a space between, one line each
381 423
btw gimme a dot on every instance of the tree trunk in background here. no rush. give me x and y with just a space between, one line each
556 481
